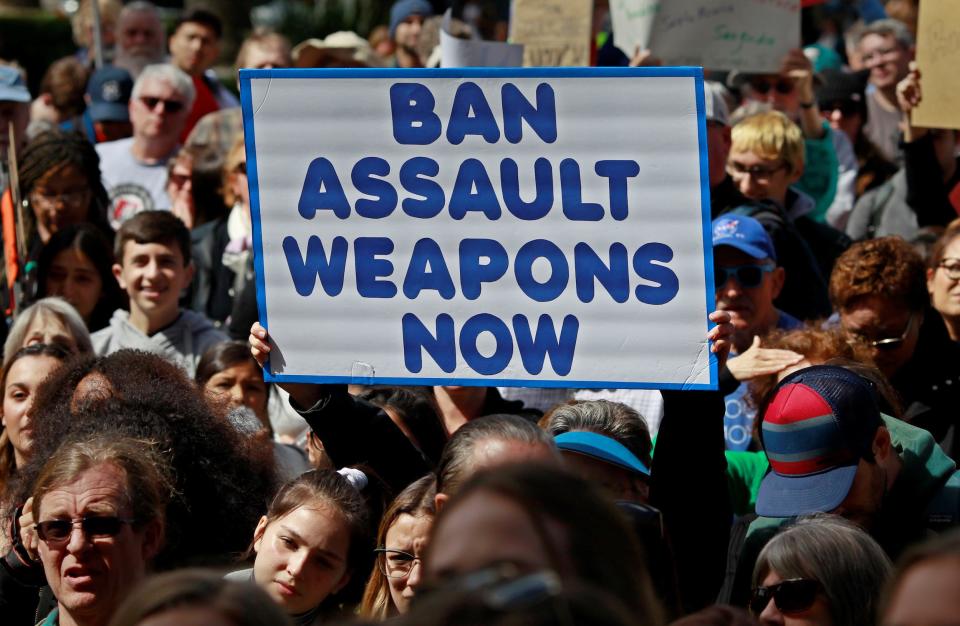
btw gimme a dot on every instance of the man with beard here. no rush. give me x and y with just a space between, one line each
139 37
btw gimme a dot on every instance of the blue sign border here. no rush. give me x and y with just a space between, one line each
531 72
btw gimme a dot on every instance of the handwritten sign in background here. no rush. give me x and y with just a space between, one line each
651 116
746 35
938 56
554 33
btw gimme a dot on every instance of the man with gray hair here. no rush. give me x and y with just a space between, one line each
885 48
134 170
139 35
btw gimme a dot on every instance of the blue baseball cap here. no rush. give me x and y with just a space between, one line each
602 448
745 234
109 90
12 86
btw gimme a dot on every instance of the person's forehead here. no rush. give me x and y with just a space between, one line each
728 255
408 528
101 486
873 40
158 88
749 157
875 312
140 20
153 248
195 29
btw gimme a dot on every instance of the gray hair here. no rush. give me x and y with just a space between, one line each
173 76
140 6
850 566
57 307
613 419
456 465
888 27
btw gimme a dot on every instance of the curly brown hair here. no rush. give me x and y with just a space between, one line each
817 346
888 267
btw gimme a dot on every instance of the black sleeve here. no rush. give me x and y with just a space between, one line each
926 192
20 581
689 486
355 432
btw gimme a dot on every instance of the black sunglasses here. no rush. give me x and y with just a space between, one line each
59 530
170 106
763 87
790 596
748 276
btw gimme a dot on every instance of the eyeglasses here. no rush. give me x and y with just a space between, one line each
790 596
846 108
878 55
763 86
890 343
169 106
59 530
950 267
760 172
748 276
67 197
395 563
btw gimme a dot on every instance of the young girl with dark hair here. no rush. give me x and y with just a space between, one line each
312 539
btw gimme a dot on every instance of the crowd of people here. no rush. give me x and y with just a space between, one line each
149 475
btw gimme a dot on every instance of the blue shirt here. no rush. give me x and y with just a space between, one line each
738 418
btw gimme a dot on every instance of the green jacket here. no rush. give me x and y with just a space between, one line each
925 499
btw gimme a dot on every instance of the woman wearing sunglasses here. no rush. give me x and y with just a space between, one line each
312 539
401 539
822 571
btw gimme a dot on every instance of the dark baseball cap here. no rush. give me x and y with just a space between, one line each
109 90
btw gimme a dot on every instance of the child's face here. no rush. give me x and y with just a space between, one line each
759 178
153 275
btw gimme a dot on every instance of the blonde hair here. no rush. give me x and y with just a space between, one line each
235 156
770 135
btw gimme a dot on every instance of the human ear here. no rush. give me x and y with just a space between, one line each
440 500
258 533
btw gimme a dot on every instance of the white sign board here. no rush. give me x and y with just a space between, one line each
522 227
744 35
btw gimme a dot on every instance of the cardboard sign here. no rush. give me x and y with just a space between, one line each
554 33
938 56
482 227
744 35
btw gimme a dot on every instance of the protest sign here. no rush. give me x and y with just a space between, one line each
522 227
455 52
938 56
554 33
746 35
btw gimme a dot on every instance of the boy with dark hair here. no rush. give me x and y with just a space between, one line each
194 47
154 266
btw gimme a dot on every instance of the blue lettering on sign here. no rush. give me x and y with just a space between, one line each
481 261
428 270
471 115
322 191
643 264
517 109
534 347
473 191
559 272
432 200
363 179
305 270
414 122
614 277
370 269
510 187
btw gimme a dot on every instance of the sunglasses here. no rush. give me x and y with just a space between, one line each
763 87
847 108
59 530
169 106
748 276
890 343
790 596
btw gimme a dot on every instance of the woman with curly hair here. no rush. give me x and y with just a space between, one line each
879 290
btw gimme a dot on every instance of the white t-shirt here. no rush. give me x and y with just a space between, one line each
133 186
